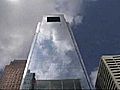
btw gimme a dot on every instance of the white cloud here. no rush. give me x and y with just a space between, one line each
14 1
78 19
18 23
11 47
93 76
71 8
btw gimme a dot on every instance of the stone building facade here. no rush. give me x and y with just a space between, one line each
12 75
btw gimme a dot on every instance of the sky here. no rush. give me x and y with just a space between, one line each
99 33
18 21
95 24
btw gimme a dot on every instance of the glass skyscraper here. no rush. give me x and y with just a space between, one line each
54 61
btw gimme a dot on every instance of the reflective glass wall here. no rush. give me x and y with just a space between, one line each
54 55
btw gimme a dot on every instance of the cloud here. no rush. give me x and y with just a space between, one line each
18 23
71 8
77 19
13 1
93 76
11 46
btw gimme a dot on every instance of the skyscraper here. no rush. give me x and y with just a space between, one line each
108 77
12 75
54 57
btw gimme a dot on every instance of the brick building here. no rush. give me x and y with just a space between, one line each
12 75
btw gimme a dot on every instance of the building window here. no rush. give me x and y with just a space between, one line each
53 19
117 77
117 61
68 84
116 72
109 59
113 66
114 69
116 57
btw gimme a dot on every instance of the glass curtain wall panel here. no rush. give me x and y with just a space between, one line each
54 55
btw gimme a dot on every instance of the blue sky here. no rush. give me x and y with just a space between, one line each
99 33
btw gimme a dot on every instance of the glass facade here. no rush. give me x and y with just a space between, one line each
54 54
58 84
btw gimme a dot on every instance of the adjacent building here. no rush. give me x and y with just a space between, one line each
12 75
30 81
54 59
108 76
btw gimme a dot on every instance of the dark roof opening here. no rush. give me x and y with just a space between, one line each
53 19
